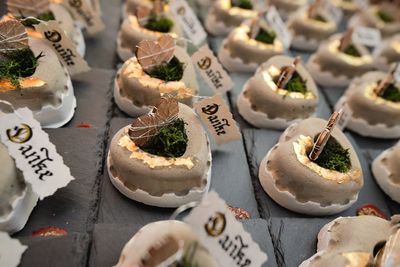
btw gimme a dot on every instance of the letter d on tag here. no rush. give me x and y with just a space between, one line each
33 152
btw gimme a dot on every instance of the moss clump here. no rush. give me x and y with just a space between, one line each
334 157
319 18
18 64
351 50
391 93
385 17
244 4
267 37
168 71
295 84
170 141
159 24
44 17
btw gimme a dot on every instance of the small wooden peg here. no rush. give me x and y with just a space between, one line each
383 85
287 73
346 39
313 9
324 136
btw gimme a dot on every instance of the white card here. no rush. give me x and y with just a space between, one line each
397 73
83 11
367 36
211 70
363 4
189 21
11 251
215 114
63 46
223 236
276 22
33 152
345 117
333 11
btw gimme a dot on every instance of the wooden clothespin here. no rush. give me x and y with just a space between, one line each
313 8
383 85
287 73
346 40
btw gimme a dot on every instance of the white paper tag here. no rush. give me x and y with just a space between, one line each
223 236
83 11
211 70
215 114
63 46
11 251
276 22
367 36
189 21
334 12
33 152
345 117
397 73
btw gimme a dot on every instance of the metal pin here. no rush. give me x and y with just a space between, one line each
324 136
287 73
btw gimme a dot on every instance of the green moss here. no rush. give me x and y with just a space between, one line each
171 71
171 141
319 18
18 64
244 4
267 37
334 157
44 17
385 17
159 24
392 93
295 84
351 50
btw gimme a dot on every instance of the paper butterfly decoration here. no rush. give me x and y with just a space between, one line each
13 36
27 8
143 13
153 53
145 127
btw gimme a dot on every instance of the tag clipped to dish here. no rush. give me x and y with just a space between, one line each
189 21
11 251
274 19
223 236
63 46
33 152
211 70
215 115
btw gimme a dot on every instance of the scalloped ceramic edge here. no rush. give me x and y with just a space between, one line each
380 62
169 200
234 64
55 117
325 78
288 201
362 127
21 209
214 27
381 174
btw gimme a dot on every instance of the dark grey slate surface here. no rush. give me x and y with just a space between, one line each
93 92
72 207
258 143
101 48
65 251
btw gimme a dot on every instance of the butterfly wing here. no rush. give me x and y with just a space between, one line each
13 36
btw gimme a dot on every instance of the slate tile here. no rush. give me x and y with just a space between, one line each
295 239
258 143
332 94
73 207
93 92
101 49
372 143
70 250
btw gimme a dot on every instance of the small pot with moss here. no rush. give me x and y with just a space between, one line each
171 169
383 16
264 105
137 90
225 15
373 115
242 53
386 53
308 32
335 68
326 186
132 32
